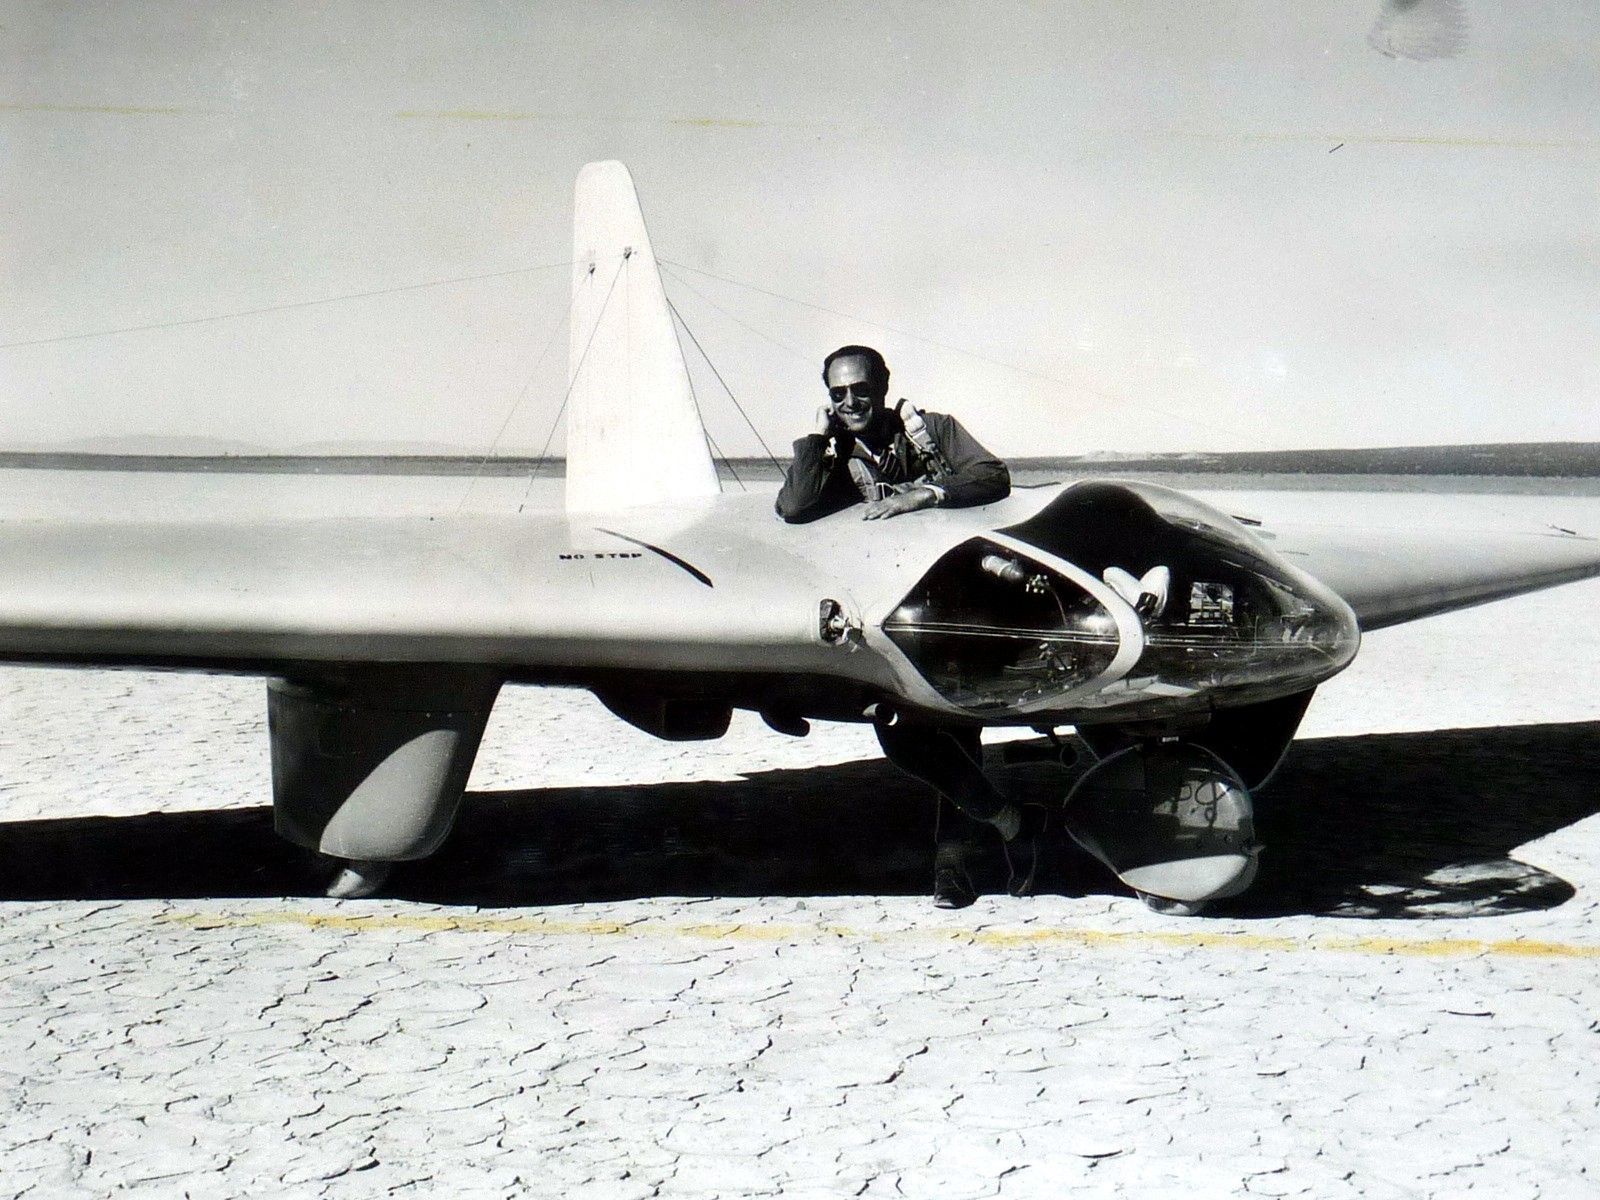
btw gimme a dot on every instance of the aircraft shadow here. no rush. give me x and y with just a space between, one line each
1391 825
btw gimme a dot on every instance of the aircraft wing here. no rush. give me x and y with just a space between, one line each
549 588
1389 576
468 588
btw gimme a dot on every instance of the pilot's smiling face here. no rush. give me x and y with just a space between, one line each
856 399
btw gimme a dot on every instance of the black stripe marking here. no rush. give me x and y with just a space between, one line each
666 554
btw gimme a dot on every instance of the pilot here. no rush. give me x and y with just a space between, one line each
895 461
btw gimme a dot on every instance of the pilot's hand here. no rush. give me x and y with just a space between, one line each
825 425
899 502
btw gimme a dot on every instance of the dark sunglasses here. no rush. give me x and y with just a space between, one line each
862 391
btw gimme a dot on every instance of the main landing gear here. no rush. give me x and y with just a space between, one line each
1171 820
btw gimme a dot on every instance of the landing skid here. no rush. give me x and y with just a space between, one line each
1172 908
1171 820
358 879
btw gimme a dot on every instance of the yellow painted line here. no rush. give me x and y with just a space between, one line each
475 114
116 110
1460 141
1002 938
717 122
1472 143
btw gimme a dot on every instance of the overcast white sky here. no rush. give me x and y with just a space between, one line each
1227 225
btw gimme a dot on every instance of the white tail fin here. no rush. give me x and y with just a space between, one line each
633 433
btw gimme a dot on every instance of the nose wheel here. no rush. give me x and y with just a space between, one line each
1172 820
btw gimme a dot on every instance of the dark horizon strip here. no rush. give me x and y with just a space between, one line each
1506 459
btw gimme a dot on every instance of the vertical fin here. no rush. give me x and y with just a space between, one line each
633 432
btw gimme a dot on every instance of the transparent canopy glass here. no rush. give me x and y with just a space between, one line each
1234 622
993 630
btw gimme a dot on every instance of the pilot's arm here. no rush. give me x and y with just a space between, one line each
818 480
976 476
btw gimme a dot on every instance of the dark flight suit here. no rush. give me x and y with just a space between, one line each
818 479
818 483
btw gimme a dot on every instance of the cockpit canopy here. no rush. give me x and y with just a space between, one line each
993 629
1043 616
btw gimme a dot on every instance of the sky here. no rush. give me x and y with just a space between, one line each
1080 227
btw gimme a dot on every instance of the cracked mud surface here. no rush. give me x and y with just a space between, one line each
832 1046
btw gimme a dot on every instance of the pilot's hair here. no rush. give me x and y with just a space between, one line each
878 370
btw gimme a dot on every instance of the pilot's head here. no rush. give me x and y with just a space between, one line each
858 380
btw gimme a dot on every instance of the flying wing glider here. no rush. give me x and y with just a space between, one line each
1183 644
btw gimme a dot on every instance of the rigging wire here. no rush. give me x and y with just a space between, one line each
273 308
571 383
770 456
942 345
1477 501
694 397
726 461
738 320
522 393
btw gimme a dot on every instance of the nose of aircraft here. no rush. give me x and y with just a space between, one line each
1120 596
996 629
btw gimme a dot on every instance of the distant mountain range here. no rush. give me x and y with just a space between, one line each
1526 459
1580 459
